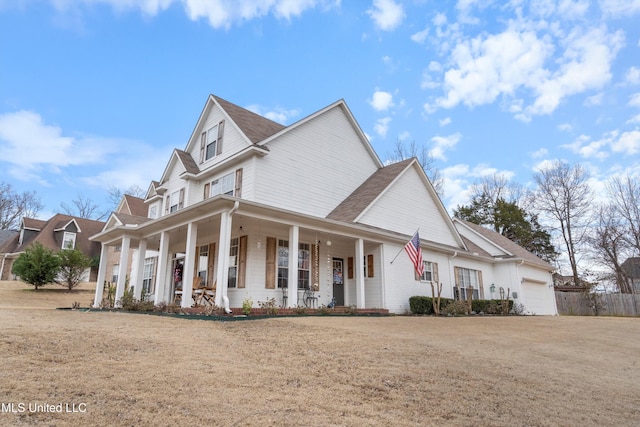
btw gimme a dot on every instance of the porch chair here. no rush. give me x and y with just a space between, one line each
310 298
209 294
196 292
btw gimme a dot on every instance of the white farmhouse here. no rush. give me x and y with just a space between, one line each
305 214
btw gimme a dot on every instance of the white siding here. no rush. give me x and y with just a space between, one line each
314 167
407 206
233 141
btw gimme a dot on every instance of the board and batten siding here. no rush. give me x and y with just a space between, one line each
407 206
314 167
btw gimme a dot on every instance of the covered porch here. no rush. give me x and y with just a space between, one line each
234 250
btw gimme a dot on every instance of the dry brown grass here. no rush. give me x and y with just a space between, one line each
133 369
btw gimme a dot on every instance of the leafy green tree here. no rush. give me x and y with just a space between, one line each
73 264
510 220
37 265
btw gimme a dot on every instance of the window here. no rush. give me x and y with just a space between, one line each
175 201
427 275
114 275
233 262
69 240
153 212
224 185
212 138
304 265
148 275
465 279
283 263
211 142
203 263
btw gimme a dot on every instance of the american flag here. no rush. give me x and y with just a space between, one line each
415 253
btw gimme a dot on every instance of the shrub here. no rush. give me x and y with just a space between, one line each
456 308
424 305
73 264
37 265
130 303
247 304
270 306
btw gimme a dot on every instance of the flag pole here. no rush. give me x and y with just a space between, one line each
400 251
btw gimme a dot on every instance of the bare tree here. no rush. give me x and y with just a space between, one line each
83 207
563 193
402 151
15 206
115 193
624 193
609 245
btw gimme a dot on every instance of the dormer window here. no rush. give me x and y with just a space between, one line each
211 142
69 240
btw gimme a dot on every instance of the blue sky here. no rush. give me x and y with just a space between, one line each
96 93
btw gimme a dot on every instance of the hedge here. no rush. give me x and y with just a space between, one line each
424 305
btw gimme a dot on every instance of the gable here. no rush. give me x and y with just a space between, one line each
314 164
409 203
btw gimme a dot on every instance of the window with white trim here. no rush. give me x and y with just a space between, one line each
427 272
211 144
68 240
304 265
148 275
175 201
153 212
115 271
283 263
233 262
465 279
224 185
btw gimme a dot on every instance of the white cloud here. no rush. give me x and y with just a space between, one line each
219 13
386 14
634 120
521 66
382 126
565 127
441 144
444 122
594 100
620 7
30 145
628 143
277 114
632 76
381 100
542 152
420 36
634 100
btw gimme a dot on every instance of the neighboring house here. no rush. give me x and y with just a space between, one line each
255 208
59 232
631 268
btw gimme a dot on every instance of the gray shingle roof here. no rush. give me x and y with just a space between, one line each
189 164
365 194
253 125
508 245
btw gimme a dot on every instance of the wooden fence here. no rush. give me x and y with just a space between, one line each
584 304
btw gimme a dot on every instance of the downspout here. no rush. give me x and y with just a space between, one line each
225 298
452 284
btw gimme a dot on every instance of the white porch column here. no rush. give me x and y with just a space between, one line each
137 281
161 277
359 273
222 276
102 273
292 280
122 268
189 264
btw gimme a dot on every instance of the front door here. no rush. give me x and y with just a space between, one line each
338 281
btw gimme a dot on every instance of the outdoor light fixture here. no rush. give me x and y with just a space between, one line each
492 288
328 242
